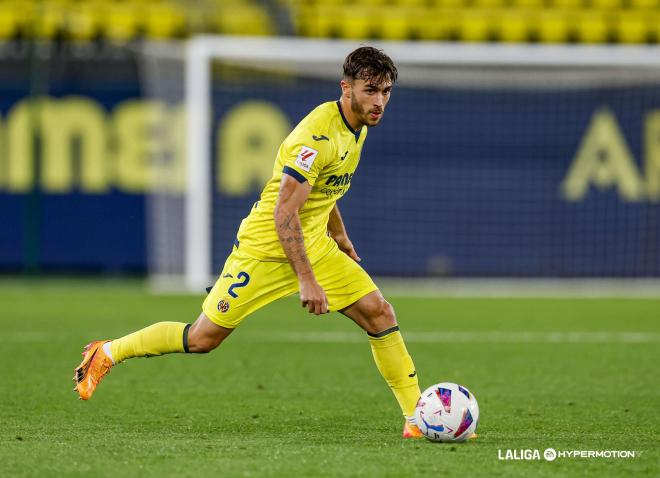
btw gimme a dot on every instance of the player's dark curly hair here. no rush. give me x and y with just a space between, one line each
369 63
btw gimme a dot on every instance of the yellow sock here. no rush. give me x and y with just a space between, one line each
157 339
397 368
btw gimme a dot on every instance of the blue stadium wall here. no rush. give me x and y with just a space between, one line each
455 182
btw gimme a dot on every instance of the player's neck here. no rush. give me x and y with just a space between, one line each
350 117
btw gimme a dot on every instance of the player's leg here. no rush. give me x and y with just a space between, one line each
351 291
377 318
157 339
168 337
244 286
204 335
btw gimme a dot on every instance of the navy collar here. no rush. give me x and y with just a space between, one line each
355 133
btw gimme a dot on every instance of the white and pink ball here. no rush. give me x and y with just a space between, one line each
447 412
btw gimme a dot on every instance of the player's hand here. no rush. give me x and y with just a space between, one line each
313 296
346 246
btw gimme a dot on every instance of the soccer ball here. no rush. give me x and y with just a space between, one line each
447 412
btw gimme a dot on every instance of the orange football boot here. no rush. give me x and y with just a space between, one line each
411 431
95 365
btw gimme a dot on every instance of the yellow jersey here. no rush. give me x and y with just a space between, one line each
323 150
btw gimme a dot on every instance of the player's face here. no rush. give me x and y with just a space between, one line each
368 100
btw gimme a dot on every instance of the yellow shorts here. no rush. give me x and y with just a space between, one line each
247 284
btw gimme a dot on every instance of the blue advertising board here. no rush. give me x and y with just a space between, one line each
454 182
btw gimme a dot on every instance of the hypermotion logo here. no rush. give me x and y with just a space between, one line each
550 454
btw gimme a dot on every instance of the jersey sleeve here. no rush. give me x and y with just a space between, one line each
304 160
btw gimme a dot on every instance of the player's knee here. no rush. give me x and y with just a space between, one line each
380 315
387 313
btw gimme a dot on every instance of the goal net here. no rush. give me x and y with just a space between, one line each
490 161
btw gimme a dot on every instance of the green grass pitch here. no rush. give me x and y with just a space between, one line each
294 395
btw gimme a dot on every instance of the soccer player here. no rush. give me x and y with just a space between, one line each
294 240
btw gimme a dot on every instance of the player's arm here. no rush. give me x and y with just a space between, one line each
337 231
292 196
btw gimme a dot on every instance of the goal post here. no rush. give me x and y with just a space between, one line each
450 72
198 151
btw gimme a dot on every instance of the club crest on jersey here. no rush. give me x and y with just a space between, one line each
306 158
223 306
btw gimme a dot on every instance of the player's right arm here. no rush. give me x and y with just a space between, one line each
292 196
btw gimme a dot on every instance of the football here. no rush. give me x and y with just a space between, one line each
447 412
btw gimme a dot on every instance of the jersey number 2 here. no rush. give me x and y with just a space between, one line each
241 275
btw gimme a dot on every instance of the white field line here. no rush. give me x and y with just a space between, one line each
463 337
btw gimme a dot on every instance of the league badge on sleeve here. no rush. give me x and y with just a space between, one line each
306 158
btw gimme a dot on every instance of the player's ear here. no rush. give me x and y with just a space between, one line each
345 88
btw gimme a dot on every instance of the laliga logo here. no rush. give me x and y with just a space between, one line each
522 454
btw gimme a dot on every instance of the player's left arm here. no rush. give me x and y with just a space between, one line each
337 231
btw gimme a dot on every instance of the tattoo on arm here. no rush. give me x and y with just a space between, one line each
289 231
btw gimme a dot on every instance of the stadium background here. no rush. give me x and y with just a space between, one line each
462 183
